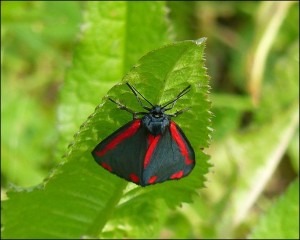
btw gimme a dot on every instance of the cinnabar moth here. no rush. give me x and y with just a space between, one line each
150 149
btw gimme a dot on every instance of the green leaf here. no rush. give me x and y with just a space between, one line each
114 36
81 198
281 221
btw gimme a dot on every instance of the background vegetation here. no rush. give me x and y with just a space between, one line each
58 59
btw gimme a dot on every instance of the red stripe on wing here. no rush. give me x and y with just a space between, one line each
121 137
106 166
176 135
152 140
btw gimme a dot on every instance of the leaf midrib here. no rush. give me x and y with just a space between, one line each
166 79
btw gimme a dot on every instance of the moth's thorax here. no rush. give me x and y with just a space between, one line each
156 121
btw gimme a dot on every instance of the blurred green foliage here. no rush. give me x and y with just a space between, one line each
282 217
255 147
37 41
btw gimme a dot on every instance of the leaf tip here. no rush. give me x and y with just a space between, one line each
200 40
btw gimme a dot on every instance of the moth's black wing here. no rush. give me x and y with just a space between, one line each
122 153
169 156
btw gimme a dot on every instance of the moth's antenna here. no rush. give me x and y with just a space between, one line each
133 89
182 93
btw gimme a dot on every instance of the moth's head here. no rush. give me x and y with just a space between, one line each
157 111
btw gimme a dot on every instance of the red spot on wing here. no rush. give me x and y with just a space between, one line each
106 166
153 140
131 130
134 177
152 179
180 142
177 175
